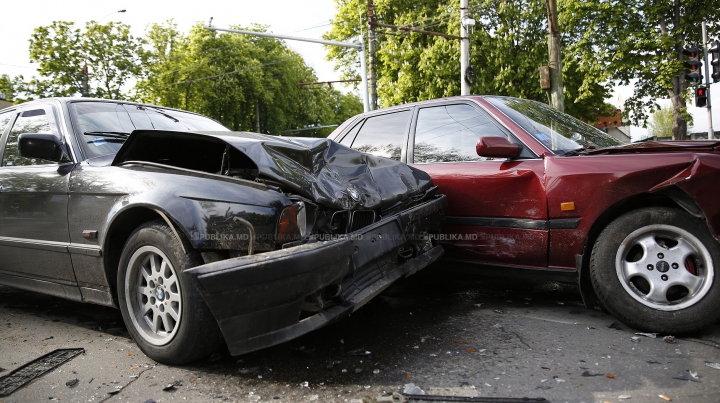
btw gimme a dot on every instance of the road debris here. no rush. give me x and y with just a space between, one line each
665 398
622 397
406 398
72 383
171 387
36 368
650 335
543 387
688 377
635 339
653 362
669 339
713 365
610 376
588 374
412 389
359 352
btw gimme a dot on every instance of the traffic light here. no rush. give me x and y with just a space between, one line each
694 65
715 61
701 94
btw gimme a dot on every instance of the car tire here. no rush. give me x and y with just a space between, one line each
655 269
162 309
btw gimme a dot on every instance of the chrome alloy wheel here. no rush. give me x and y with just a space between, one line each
153 295
664 267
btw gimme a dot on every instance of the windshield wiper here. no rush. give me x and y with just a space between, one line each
117 135
164 114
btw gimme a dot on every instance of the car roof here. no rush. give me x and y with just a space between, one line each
66 100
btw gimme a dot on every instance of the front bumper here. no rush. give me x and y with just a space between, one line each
257 300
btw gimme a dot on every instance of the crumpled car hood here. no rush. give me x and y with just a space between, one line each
320 169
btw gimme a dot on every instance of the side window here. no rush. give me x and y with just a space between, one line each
29 121
383 135
348 139
5 120
449 133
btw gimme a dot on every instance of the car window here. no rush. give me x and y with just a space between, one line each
5 120
29 121
383 135
348 139
449 133
105 125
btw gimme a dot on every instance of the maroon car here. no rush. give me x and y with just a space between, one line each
533 191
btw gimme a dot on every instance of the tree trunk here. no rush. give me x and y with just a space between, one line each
679 127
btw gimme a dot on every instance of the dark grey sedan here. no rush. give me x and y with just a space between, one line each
200 234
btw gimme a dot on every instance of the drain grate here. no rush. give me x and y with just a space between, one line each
36 368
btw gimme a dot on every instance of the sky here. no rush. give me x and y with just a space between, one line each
304 18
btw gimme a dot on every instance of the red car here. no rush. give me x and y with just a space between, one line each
533 191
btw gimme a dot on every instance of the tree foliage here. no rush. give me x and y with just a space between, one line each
507 47
113 58
661 122
640 43
231 77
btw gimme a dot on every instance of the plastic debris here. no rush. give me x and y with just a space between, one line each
498 311
412 389
305 384
558 380
621 397
614 325
588 373
687 377
610 376
665 398
650 335
36 368
376 371
669 339
72 383
359 352
635 339
713 365
171 386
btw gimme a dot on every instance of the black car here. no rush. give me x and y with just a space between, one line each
198 233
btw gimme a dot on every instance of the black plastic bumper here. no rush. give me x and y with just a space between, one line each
257 299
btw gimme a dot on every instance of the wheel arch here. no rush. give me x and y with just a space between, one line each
672 196
119 230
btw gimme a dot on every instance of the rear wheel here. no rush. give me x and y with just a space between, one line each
655 269
162 310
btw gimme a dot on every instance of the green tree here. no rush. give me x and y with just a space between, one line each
507 47
231 77
661 122
113 57
639 43
8 86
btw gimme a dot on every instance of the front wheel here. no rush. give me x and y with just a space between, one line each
655 270
162 310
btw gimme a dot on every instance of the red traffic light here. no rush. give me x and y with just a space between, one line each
691 52
701 94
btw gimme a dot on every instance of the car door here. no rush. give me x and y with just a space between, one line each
34 235
497 208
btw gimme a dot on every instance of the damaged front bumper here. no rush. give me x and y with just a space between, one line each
258 300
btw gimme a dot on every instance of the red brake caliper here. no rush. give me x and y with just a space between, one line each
690 266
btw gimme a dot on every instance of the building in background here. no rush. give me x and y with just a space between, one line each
613 125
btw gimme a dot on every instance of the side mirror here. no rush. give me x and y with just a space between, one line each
496 147
43 146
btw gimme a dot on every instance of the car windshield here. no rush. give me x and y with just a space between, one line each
559 132
106 125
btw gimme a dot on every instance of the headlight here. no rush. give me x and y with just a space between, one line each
295 223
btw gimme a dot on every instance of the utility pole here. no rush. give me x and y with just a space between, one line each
711 132
464 48
372 74
555 62
359 46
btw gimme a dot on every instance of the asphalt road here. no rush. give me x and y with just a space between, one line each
446 333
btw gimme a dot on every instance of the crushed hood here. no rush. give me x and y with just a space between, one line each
319 169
